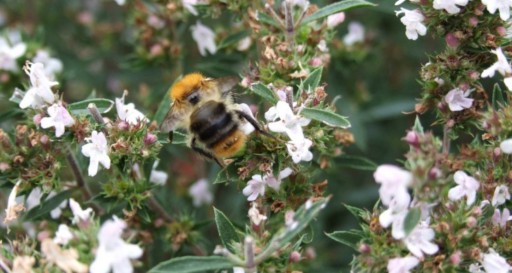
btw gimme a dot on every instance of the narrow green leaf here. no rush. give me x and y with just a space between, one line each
356 162
80 107
487 212
226 230
357 212
192 264
497 97
313 80
47 206
303 216
327 117
267 19
349 238
417 127
411 220
264 92
232 39
335 8
163 108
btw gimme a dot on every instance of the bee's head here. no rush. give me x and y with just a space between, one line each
186 88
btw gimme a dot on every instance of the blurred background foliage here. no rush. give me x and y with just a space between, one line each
102 50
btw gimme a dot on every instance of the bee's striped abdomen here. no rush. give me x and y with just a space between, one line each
216 128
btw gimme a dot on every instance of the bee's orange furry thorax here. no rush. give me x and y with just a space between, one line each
185 86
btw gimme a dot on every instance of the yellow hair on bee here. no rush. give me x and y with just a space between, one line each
185 86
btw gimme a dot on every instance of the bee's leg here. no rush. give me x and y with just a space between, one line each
253 122
205 153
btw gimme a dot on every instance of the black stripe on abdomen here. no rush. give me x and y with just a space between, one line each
211 123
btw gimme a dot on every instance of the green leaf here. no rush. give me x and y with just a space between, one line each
417 127
313 80
327 117
47 206
411 220
232 39
356 162
226 230
497 97
264 92
335 8
357 212
192 264
349 238
267 19
163 108
80 107
302 216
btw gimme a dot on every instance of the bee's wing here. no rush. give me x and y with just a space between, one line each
226 84
171 120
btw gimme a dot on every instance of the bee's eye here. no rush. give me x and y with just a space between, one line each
193 98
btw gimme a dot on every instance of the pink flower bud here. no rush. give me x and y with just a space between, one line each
4 77
501 30
477 211
315 62
310 253
149 139
450 123
43 235
474 75
123 125
37 119
471 222
455 258
44 139
294 257
156 50
412 138
434 173
451 40
473 21
496 153
364 248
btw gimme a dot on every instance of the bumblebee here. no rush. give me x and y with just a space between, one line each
206 109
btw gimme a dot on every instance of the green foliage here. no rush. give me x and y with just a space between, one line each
328 117
335 8
227 232
192 264
81 108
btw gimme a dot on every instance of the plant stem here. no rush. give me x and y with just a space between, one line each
250 266
81 181
95 113
446 139
4 267
153 203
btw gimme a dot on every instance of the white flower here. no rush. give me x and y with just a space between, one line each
59 118
506 146
120 2
355 34
127 112
396 218
79 215
200 193
246 127
254 188
289 220
97 150
322 46
457 100
40 92
52 66
475 268
502 5
13 208
418 241
238 269
394 181
494 263
413 21
303 4
189 5
63 235
402 265
288 122
502 65
244 44
299 150
10 51
451 6
158 177
501 218
255 216
508 83
467 186
275 183
335 19
113 253
501 195
204 37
